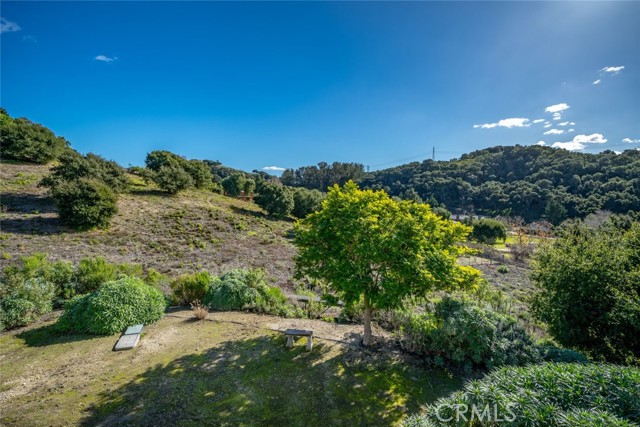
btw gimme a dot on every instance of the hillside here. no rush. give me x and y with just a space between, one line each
172 234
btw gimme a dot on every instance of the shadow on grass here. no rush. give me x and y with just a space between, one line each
258 382
47 335
28 203
148 192
257 214
35 225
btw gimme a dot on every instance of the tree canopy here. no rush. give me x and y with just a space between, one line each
373 250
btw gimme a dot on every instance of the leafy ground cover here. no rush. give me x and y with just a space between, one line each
234 370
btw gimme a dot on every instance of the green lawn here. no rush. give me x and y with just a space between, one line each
187 373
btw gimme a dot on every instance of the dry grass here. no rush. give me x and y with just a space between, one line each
189 232
199 310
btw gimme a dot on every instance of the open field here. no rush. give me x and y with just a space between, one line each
232 370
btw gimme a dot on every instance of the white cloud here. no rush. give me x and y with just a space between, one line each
547 125
7 26
557 116
572 123
541 143
556 108
571 146
273 168
579 141
538 121
571 130
631 141
594 138
506 123
597 82
563 124
554 132
617 152
104 58
612 70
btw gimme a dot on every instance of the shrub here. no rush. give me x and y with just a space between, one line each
234 184
200 173
488 231
466 335
199 310
172 178
588 292
247 290
85 203
26 302
21 139
551 394
91 273
503 269
36 266
306 201
74 166
277 200
112 308
189 288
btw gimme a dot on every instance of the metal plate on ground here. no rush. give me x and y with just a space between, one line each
135 329
127 342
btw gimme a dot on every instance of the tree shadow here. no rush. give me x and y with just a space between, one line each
259 382
149 192
256 214
35 225
47 335
28 203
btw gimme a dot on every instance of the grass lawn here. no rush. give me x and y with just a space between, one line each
188 373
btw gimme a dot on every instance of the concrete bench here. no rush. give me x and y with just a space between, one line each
292 333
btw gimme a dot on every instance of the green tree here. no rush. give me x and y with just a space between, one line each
249 187
276 199
21 139
488 231
555 212
172 178
74 166
200 174
306 201
588 291
233 185
373 250
85 203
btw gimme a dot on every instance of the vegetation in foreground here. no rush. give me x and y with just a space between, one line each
190 373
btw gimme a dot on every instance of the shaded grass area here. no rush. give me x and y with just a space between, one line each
187 373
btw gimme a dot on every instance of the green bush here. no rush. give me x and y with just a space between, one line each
21 139
306 201
112 308
247 290
488 231
85 203
200 173
74 166
461 333
27 302
588 291
35 266
172 178
91 273
551 394
234 184
503 269
189 288
277 200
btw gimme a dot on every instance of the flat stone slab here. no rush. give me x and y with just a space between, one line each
135 329
127 342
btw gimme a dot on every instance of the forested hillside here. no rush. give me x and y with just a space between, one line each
532 182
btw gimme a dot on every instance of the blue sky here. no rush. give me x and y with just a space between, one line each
294 83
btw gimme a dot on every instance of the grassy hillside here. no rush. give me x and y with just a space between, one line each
173 234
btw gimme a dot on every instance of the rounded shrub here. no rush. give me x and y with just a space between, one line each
85 203
189 288
550 394
113 307
26 302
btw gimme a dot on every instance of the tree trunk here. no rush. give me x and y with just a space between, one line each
368 336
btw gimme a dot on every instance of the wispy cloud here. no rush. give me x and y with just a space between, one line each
556 108
631 141
29 38
538 121
571 130
579 141
7 26
612 70
563 124
554 132
547 125
273 168
104 58
506 123
557 116
597 82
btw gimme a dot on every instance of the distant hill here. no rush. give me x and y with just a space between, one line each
520 181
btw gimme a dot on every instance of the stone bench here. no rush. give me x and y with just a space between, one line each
130 338
292 333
